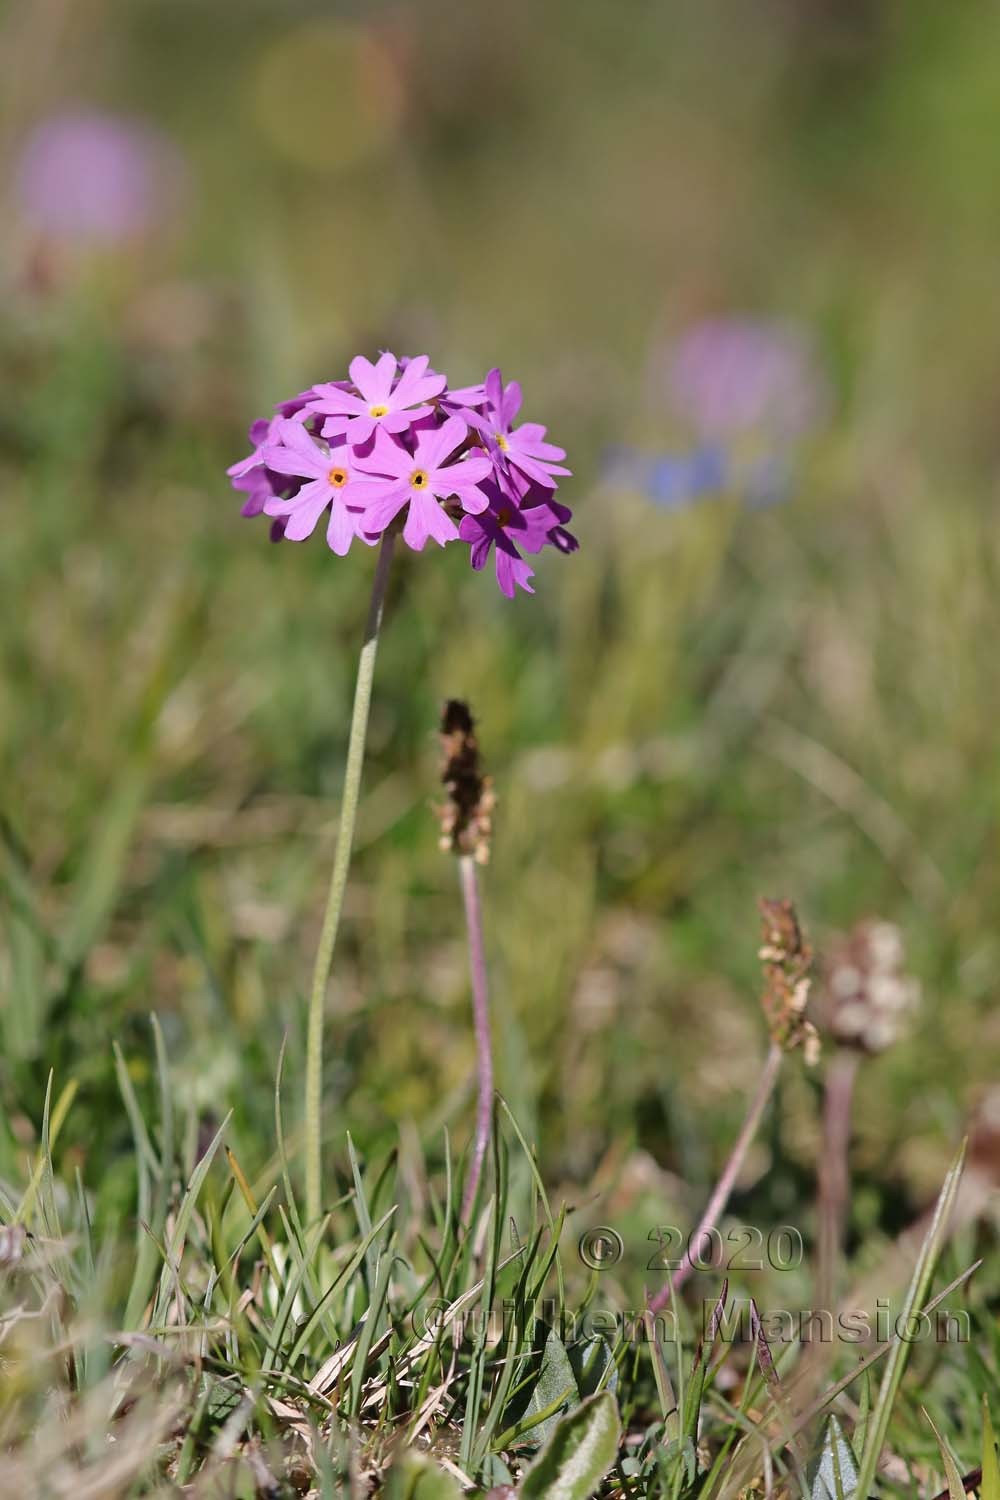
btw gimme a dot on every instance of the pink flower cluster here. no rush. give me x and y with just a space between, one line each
394 446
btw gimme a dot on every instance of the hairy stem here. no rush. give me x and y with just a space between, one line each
338 881
481 1017
724 1186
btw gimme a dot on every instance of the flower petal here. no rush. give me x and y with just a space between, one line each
466 471
332 401
313 501
374 381
415 386
386 505
510 405
529 439
299 461
514 572
387 457
359 429
472 498
434 446
341 528
427 519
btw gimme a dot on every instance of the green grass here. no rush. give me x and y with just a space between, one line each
267 1355
700 708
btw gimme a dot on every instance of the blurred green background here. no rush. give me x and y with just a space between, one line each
709 702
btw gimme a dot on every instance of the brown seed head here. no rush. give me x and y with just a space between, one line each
467 816
786 957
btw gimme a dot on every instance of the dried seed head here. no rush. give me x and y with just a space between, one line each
786 958
868 1000
467 816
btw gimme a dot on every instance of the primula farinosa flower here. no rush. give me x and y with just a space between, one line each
330 483
420 479
393 448
523 448
260 484
379 398
88 177
507 531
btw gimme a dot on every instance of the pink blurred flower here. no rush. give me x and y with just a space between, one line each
96 178
729 376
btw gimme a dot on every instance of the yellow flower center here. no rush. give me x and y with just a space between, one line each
338 478
418 479
377 411
502 442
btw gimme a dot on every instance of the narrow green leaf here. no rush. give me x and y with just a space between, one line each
952 1472
186 1209
989 1488
363 1215
864 1410
28 946
373 1319
899 1351
345 1274
293 1290
540 1187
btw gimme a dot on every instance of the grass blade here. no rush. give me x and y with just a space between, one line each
899 1352
990 1483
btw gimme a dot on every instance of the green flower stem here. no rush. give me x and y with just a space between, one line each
481 1019
338 881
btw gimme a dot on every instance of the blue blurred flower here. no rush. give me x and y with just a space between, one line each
747 393
673 480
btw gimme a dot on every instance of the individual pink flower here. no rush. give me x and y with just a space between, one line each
420 480
504 528
523 448
253 478
382 400
330 483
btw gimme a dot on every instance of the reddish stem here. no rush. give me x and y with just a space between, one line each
717 1203
834 1181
